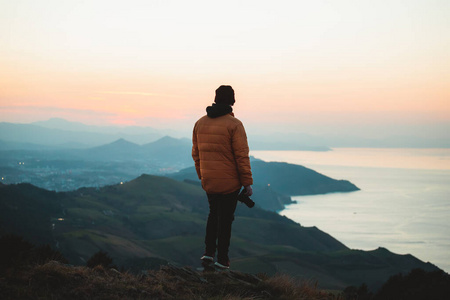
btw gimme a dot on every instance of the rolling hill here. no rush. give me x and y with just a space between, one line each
275 182
161 218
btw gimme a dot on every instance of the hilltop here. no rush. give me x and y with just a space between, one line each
54 280
31 272
154 219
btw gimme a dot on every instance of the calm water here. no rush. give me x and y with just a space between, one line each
403 205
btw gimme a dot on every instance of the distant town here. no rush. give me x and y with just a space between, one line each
70 175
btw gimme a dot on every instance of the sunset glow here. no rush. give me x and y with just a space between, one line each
299 65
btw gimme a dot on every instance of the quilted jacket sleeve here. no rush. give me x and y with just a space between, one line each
195 152
241 155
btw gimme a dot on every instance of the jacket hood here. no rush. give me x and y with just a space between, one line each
218 110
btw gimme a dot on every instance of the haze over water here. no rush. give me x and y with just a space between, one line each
403 205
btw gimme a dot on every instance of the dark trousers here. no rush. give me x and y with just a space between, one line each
218 227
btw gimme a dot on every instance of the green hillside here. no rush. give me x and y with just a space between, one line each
164 219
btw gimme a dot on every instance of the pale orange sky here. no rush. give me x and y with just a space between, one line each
307 66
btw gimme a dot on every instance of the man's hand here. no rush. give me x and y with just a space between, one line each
248 190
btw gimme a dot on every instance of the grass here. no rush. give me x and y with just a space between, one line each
57 281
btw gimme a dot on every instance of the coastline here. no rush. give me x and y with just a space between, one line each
402 209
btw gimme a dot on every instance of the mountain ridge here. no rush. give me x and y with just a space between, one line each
92 135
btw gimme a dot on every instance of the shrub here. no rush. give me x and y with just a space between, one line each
100 259
418 284
15 251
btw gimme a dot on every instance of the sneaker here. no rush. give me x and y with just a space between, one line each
223 264
207 257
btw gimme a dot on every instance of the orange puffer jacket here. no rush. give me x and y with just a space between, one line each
221 154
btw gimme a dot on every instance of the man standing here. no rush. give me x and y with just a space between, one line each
221 154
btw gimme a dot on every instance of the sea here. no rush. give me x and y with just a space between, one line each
403 204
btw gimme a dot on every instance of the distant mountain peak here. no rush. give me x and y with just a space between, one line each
167 138
121 145
168 141
122 142
55 119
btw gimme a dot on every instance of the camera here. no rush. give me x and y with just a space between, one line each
242 197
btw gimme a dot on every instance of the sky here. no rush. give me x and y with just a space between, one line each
373 68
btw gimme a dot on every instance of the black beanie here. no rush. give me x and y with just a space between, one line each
225 95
